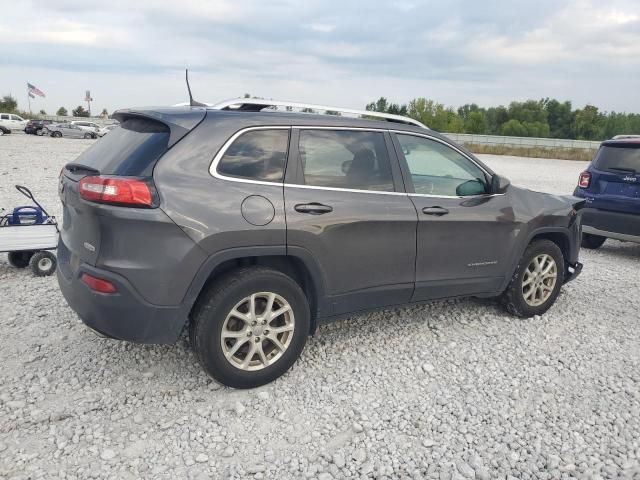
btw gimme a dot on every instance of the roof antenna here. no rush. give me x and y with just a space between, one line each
192 102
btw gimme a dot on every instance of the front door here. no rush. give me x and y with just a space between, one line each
345 206
464 231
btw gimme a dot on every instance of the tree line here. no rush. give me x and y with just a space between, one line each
546 118
9 104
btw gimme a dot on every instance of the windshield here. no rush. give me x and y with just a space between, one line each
620 157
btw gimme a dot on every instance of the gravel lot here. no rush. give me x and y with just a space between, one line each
454 389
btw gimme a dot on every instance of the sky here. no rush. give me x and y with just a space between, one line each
331 52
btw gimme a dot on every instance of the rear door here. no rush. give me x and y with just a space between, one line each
464 232
346 208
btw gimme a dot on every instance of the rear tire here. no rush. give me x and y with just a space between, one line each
19 259
518 299
43 263
591 241
224 332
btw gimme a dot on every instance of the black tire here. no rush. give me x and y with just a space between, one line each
591 241
20 259
88 135
56 134
513 297
215 303
43 263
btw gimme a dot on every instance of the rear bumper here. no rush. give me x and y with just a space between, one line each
123 315
622 226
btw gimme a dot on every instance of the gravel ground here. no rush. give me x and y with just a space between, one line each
454 389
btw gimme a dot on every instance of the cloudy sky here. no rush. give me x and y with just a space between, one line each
133 52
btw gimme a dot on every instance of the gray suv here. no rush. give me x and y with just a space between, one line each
251 227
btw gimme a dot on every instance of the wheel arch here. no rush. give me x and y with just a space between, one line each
297 264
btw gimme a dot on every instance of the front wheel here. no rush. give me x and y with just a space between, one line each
536 283
56 134
592 241
250 326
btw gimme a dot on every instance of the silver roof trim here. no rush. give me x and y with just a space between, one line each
239 102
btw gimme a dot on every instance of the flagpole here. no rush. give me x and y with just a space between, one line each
29 99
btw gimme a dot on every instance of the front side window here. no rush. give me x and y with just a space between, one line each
439 170
16 117
345 159
257 155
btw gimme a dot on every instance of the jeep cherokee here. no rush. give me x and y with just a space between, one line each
252 227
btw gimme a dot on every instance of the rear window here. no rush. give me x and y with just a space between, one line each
619 157
131 150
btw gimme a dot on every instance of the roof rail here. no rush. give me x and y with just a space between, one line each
257 104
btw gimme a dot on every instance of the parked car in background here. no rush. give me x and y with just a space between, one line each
104 130
34 127
254 227
87 126
10 122
611 188
68 130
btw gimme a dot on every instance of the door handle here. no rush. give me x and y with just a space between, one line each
437 211
313 208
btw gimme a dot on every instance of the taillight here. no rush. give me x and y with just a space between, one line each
117 190
98 284
585 180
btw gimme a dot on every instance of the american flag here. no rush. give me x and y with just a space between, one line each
33 90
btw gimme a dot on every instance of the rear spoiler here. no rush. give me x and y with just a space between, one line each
179 120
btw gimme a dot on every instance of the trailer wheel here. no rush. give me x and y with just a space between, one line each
43 263
20 259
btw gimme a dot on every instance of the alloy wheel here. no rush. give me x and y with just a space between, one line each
539 280
257 331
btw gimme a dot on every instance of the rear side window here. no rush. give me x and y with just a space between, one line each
257 155
345 159
625 157
131 150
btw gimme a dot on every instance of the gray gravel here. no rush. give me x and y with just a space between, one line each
454 389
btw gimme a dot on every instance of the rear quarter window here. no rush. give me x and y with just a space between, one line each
625 156
256 155
131 150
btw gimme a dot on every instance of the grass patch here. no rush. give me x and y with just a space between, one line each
535 152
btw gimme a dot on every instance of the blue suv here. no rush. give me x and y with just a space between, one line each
611 188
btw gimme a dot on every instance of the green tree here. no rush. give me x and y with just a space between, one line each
8 104
62 112
589 123
79 111
560 118
42 112
513 128
476 122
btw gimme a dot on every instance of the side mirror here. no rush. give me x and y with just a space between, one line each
499 184
346 166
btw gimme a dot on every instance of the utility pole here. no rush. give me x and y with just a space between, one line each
88 99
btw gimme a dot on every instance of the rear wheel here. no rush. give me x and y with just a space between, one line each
19 259
592 241
536 283
43 263
250 327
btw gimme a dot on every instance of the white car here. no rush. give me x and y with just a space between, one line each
104 130
10 122
87 126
